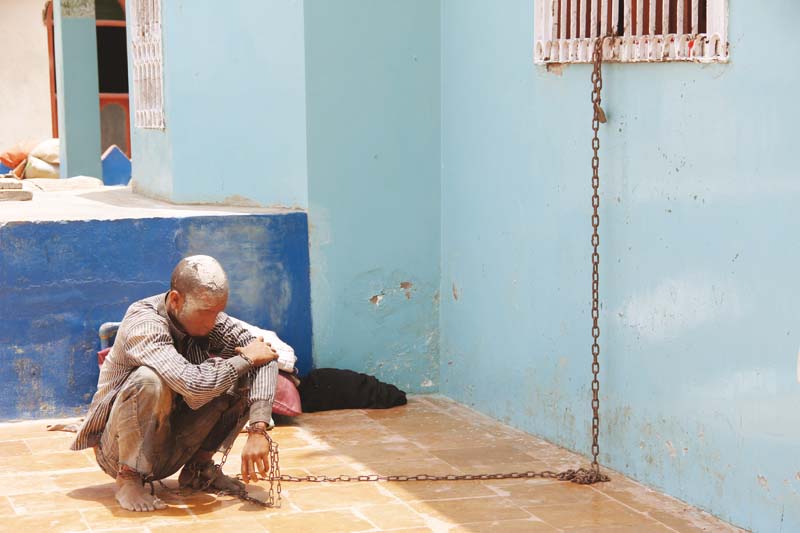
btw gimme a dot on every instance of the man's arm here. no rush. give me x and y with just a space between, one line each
198 384
228 338
228 335
255 455
262 393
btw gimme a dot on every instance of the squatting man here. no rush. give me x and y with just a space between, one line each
178 385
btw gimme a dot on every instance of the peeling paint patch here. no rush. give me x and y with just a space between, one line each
376 300
31 394
406 286
679 305
426 384
763 481
671 449
455 292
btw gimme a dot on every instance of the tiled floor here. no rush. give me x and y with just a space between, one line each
45 488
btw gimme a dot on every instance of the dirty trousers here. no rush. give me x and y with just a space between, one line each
151 429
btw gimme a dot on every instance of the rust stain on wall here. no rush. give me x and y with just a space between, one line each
406 286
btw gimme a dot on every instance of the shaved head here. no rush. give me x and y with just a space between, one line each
198 293
198 275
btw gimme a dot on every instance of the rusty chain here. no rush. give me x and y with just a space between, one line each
598 116
582 476
273 476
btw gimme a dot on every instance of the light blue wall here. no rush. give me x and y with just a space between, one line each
234 106
373 148
699 252
78 108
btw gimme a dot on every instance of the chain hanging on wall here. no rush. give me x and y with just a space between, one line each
583 476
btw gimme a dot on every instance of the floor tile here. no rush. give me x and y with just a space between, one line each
111 517
6 508
327 521
53 442
440 490
13 448
466 510
27 429
228 525
471 458
35 483
392 516
45 462
80 479
650 528
550 493
81 498
589 514
44 486
339 495
504 526
52 522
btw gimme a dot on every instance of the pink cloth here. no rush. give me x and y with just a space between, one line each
287 398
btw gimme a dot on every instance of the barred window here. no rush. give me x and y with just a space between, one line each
642 30
148 70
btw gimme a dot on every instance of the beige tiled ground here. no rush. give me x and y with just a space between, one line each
44 488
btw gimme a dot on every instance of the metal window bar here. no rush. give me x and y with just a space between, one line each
639 17
573 22
652 18
650 30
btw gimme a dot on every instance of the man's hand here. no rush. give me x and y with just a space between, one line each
259 352
255 456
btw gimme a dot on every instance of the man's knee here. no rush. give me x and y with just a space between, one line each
149 387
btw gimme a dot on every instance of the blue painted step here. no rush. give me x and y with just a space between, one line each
116 166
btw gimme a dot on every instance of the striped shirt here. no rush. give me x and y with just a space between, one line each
148 337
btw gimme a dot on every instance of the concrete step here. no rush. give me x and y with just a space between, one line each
15 195
10 183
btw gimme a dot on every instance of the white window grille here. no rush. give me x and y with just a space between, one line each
148 70
643 30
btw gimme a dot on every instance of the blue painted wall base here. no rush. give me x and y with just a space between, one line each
60 280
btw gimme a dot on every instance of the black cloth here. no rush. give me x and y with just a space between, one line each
325 389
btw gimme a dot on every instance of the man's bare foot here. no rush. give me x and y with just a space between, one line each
197 476
131 495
